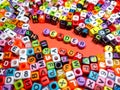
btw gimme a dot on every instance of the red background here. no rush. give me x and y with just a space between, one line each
90 49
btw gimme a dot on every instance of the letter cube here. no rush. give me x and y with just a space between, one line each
41 64
103 73
2 78
100 81
75 64
53 85
35 76
8 87
7 55
48 57
50 65
52 73
18 84
62 83
81 81
85 69
36 86
78 72
62 51
56 58
60 74
10 72
39 56
44 81
111 75
17 75
15 50
117 80
93 75
58 65
93 59
31 60
70 75
77 56
109 83
73 84
43 72
90 84
54 51
27 83
43 44
30 51
85 60
26 74
35 43
64 59
97 87
107 88
37 49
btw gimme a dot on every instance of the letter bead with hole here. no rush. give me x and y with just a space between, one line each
18 75
30 51
117 80
78 72
14 63
58 65
18 84
39 56
109 83
56 58
53 85
36 86
23 51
